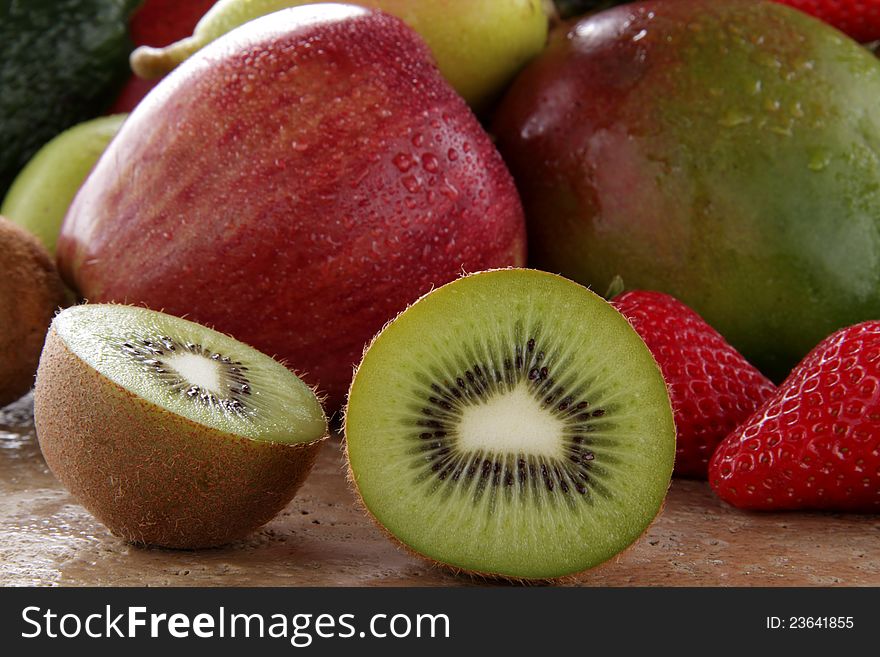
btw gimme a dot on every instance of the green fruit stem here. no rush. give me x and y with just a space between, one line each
150 63
615 288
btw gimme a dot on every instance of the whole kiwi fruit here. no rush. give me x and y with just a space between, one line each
30 292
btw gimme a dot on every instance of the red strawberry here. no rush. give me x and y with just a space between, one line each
712 387
816 443
860 19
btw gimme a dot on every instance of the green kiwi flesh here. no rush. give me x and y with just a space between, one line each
511 423
170 433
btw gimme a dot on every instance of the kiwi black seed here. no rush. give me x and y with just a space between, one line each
170 433
30 293
511 423
152 352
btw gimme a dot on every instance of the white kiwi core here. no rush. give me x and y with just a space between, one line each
198 370
512 423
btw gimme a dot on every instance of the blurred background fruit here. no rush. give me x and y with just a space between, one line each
157 23
41 193
479 45
30 292
61 62
859 19
724 153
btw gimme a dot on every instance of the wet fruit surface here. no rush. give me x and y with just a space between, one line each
725 153
816 443
711 386
297 188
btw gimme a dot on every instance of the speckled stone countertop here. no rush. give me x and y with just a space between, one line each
322 538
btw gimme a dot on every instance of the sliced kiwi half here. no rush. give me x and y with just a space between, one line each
170 433
511 423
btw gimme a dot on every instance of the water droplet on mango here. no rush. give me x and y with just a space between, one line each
733 118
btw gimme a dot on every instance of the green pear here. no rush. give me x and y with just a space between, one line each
44 189
479 45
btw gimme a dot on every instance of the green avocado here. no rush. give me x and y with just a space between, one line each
727 153
61 62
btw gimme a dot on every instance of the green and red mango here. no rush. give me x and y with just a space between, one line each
727 153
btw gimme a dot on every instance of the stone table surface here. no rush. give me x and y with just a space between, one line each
322 538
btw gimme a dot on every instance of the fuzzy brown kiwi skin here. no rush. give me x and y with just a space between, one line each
571 578
30 292
151 476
